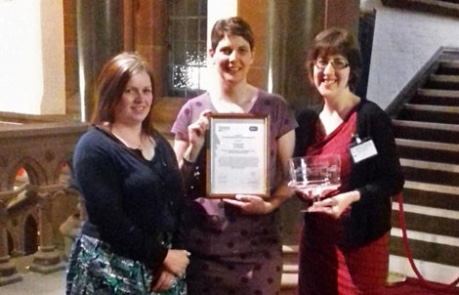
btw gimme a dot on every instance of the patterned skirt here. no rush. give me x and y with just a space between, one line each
93 269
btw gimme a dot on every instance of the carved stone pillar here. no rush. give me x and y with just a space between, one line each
8 271
47 259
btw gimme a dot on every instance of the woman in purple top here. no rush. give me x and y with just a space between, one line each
235 242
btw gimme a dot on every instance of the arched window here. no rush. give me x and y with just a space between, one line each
187 52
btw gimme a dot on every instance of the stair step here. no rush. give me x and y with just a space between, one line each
448 68
451 168
449 53
290 254
426 251
431 145
439 92
426 125
431 195
428 151
432 187
430 113
438 97
433 108
426 131
290 268
430 172
436 222
446 82
444 78
289 282
449 214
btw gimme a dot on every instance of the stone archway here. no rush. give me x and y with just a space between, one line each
10 243
31 241
62 174
35 172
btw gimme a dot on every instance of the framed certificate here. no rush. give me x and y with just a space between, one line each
237 155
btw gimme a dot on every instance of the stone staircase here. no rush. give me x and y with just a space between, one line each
426 125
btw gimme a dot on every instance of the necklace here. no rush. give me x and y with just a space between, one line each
146 145
129 143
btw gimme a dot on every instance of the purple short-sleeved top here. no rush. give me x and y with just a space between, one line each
215 228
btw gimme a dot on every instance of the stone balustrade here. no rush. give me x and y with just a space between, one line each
33 207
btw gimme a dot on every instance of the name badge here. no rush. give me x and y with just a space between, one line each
363 149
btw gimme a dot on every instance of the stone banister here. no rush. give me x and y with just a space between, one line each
42 149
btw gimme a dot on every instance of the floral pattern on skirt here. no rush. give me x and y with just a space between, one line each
94 269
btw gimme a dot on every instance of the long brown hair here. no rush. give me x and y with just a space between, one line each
111 83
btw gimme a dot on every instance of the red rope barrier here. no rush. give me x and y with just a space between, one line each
409 255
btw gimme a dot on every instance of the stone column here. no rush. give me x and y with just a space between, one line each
99 37
292 26
8 271
47 259
343 14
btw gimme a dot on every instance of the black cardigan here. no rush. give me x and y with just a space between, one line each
377 179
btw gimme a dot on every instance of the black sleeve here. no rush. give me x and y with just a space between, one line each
194 176
382 175
178 193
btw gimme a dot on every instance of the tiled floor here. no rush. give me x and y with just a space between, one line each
37 284
34 283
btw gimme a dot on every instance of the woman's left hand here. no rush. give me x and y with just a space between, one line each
329 206
336 205
250 204
165 281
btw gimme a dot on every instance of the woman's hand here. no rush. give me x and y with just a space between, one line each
197 130
165 281
335 206
308 195
176 262
250 204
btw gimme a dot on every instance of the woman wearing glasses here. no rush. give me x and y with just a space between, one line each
345 236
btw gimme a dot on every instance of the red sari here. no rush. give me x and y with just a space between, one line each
326 266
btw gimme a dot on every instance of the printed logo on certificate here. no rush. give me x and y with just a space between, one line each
237 155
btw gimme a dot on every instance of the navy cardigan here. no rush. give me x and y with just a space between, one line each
133 204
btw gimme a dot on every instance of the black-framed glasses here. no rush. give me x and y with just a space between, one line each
337 63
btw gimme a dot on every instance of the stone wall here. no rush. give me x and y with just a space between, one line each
403 42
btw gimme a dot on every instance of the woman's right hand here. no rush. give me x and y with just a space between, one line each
176 261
